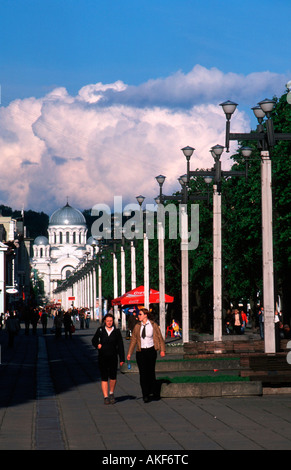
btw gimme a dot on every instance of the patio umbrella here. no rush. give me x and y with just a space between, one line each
136 297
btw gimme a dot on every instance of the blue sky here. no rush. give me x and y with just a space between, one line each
144 77
72 43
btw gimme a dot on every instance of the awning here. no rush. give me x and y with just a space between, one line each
136 297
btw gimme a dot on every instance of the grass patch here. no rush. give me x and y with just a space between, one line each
194 359
203 379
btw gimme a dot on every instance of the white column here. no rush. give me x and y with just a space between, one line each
115 287
122 256
94 292
3 249
268 269
90 285
78 304
100 293
63 297
79 293
69 294
146 271
133 266
76 293
162 307
82 291
217 267
88 296
185 273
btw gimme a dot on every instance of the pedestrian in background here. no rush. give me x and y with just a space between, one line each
68 323
87 318
12 327
147 339
82 319
229 322
34 320
132 321
237 322
43 320
261 321
58 324
108 341
1 320
244 320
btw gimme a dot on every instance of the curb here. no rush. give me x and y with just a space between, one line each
211 389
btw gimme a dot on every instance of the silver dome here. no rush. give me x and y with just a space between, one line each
67 215
41 240
91 240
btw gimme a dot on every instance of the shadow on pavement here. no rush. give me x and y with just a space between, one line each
70 362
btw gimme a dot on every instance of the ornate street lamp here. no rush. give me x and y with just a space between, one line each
216 174
140 199
266 139
183 197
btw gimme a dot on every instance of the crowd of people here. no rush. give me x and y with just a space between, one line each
236 321
10 321
31 317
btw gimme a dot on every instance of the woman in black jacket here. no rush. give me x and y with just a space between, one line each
108 341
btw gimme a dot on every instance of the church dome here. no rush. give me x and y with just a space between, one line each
67 215
41 240
91 240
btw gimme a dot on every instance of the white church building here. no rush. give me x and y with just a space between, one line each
56 257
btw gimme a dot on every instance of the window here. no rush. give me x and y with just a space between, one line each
67 237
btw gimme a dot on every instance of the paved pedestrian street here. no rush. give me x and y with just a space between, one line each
51 399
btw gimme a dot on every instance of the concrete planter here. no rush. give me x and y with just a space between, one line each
175 350
211 389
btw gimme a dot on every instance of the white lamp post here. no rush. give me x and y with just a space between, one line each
3 249
140 200
266 139
216 152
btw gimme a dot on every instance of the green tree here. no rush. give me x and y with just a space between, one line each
242 226
281 187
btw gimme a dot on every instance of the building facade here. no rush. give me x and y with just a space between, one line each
57 256
15 253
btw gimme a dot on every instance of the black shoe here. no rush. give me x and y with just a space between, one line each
111 399
156 397
146 399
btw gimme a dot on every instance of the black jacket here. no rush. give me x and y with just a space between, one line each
112 345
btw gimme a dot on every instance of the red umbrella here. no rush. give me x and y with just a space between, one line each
136 297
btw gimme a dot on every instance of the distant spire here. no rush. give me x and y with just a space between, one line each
67 201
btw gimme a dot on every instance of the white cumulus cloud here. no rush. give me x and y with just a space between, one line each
112 139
